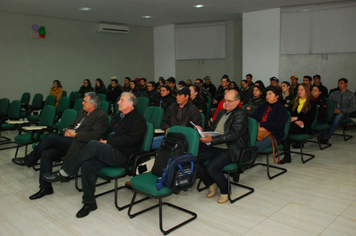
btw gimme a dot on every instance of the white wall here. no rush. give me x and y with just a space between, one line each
261 44
164 52
215 68
71 52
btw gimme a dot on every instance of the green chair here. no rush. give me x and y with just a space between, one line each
78 104
269 151
4 107
25 99
68 117
154 115
247 158
142 104
202 119
115 173
102 97
302 139
46 120
73 96
145 184
64 94
104 105
13 113
344 123
35 105
50 100
320 127
63 104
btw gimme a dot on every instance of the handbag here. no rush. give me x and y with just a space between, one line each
264 134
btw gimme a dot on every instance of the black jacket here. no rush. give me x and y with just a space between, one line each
114 93
307 117
236 132
166 101
153 96
126 134
201 105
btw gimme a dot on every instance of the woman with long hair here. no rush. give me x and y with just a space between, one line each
197 99
286 94
134 89
56 90
317 96
100 87
85 88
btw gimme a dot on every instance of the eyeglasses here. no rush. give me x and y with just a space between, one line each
229 101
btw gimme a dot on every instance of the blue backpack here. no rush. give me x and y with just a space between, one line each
181 168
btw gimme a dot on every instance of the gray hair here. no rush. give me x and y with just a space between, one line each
93 98
132 98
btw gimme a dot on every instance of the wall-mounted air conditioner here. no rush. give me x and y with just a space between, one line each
112 28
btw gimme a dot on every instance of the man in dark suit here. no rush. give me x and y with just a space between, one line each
122 138
90 124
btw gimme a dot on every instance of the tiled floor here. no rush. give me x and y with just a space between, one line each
316 198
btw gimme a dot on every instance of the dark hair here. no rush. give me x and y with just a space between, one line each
318 76
343 79
249 75
200 81
244 81
128 78
182 83
234 83
197 88
144 79
262 90
308 77
100 82
261 84
306 105
115 80
317 86
134 89
288 84
59 85
162 80
225 77
89 83
152 83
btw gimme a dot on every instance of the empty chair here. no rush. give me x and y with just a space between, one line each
50 100
78 104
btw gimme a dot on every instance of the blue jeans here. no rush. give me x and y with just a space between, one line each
212 172
336 121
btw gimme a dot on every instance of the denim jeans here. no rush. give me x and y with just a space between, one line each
336 121
212 172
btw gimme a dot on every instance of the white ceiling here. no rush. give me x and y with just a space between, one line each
163 12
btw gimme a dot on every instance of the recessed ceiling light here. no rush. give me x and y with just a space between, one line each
85 8
199 6
146 17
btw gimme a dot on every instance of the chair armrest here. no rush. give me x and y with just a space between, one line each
250 159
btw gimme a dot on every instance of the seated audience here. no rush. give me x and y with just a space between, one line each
122 138
259 95
219 95
246 92
126 87
221 105
323 89
261 84
209 86
234 85
161 82
152 94
166 98
344 104
232 123
274 81
100 87
181 84
143 87
56 90
197 99
287 95
294 84
308 81
134 89
318 97
86 88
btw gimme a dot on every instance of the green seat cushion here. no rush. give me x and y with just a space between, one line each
230 167
300 137
33 118
112 172
146 183
23 139
23 114
321 126
269 150
8 127
346 120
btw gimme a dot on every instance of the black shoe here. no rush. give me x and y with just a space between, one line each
285 160
86 209
235 176
43 192
55 177
297 145
323 140
23 161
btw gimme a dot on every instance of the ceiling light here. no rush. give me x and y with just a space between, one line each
146 17
199 6
85 8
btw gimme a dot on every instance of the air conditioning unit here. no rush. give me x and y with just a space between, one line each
112 28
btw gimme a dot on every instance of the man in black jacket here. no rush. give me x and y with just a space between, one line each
123 137
90 124
232 123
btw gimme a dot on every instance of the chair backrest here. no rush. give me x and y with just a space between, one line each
147 141
154 115
25 98
102 97
4 106
329 109
104 105
253 130
116 106
47 116
50 100
73 96
67 119
63 104
313 124
202 119
78 104
142 104
191 135
37 101
14 110
64 94
286 127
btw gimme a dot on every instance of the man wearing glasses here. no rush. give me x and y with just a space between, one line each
232 123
